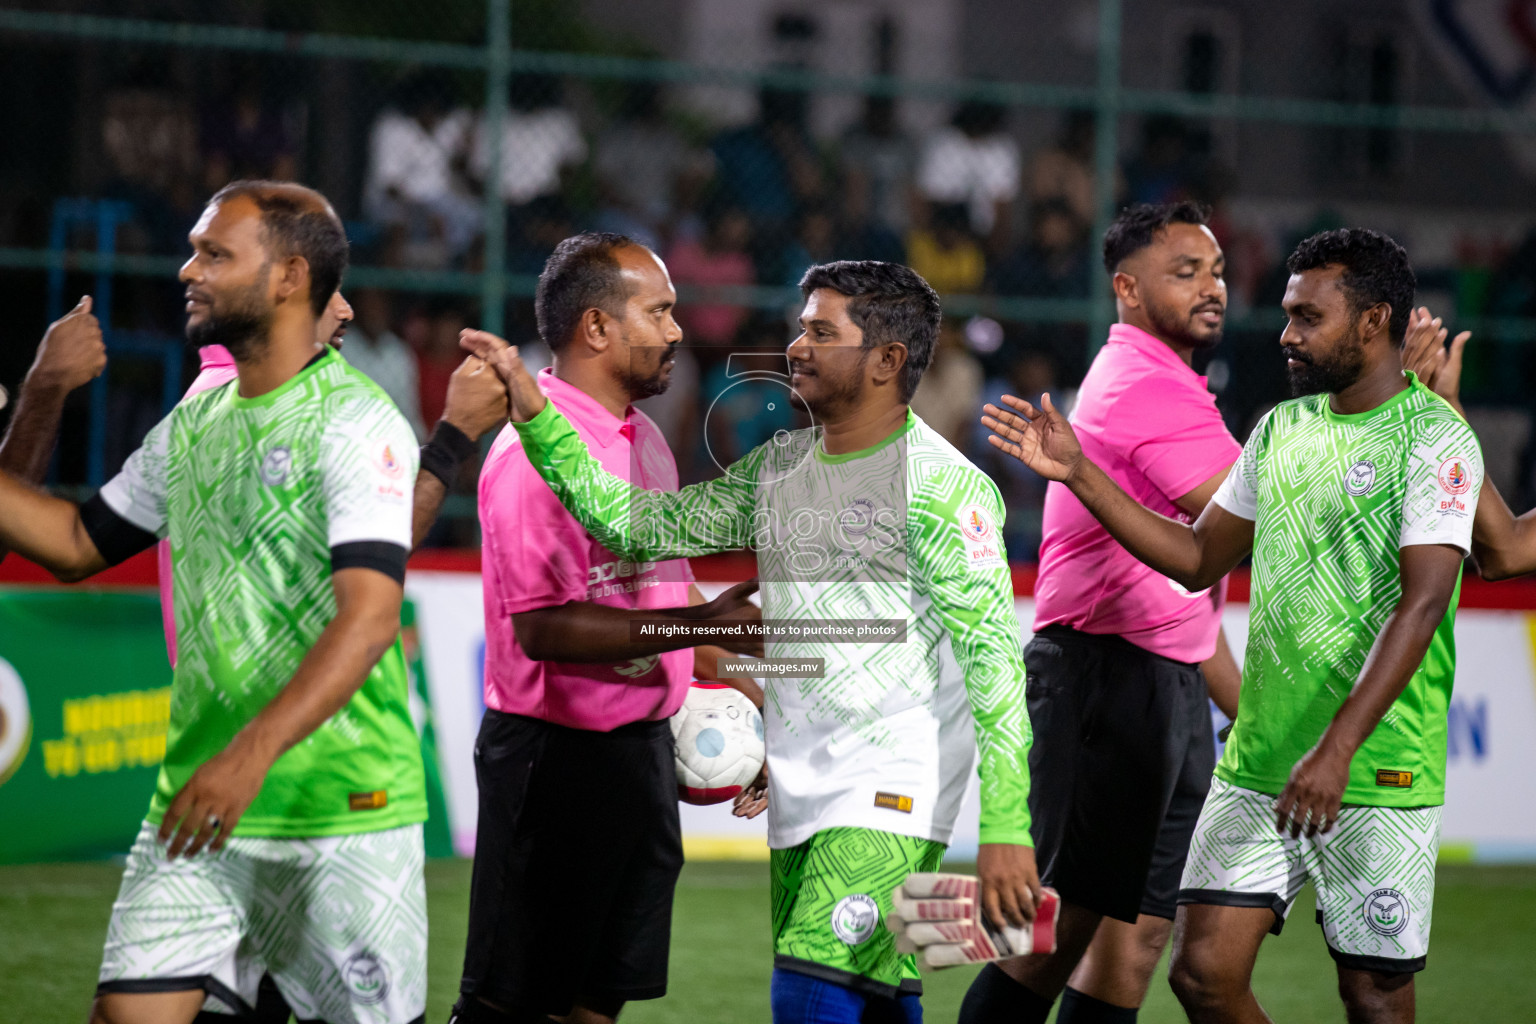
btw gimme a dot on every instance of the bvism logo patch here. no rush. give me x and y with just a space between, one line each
1455 480
983 549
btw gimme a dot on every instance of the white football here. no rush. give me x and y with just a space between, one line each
718 738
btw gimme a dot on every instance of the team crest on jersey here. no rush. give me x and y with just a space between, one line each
858 518
1454 478
1360 478
1386 911
367 978
275 467
854 918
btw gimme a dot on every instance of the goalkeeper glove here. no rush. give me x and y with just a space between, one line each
940 918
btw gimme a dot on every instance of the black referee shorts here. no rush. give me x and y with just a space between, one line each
576 857
1121 763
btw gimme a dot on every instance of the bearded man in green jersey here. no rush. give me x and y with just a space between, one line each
284 834
871 515
1357 501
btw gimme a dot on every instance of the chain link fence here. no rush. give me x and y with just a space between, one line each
985 143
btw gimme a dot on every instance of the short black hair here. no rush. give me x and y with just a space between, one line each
1376 269
298 221
891 303
1138 224
581 274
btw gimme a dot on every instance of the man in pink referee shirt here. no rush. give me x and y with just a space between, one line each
1123 750
578 845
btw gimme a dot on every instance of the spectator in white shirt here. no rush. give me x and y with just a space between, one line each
540 139
374 348
416 150
973 160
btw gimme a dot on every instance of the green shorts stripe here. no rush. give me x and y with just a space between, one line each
830 897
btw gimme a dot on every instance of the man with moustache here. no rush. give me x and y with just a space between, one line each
869 515
1357 501
292 767
578 844
476 402
1119 665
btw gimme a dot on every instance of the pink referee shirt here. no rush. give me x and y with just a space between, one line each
1148 421
534 554
217 367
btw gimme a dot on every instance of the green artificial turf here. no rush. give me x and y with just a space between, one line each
1482 965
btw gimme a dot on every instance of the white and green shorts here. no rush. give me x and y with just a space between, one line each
340 923
1374 873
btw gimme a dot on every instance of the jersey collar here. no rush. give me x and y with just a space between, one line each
1151 346
589 415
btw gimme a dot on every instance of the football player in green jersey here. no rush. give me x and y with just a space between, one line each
872 517
1357 501
292 768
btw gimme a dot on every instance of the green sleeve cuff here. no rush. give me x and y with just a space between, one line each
544 427
1011 836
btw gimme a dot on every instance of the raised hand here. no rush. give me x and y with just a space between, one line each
1041 438
1426 355
477 398
72 352
527 400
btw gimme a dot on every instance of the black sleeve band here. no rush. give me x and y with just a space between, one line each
379 555
445 450
115 537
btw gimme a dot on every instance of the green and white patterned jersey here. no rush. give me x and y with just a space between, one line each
1334 498
908 531
254 495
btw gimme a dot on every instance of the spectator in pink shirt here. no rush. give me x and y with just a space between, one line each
578 845
1123 658
720 259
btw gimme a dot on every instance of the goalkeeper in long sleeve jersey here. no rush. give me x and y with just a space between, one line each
868 515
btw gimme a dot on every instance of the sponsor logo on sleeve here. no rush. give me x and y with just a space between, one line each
854 918
390 466
894 802
983 549
388 462
1360 478
1455 480
1394 778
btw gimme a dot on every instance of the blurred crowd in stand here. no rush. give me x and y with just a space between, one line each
753 204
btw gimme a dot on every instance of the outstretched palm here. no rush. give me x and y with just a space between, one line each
1041 438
